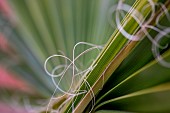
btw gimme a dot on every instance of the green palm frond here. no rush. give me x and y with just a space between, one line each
91 56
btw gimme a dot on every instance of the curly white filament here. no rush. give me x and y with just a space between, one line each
70 64
144 24
156 51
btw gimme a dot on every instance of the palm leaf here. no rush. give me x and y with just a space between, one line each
49 35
